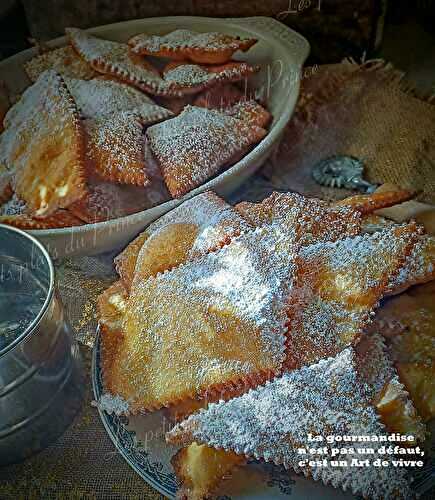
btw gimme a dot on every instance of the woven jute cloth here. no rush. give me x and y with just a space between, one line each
366 111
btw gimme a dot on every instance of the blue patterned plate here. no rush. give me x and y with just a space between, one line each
141 441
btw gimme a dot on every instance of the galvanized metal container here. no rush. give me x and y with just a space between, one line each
41 382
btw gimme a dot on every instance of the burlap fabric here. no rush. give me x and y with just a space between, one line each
83 463
367 111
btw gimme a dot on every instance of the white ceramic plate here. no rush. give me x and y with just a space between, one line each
280 51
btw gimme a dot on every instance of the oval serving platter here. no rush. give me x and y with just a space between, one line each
280 51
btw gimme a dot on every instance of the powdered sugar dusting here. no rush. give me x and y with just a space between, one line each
97 98
183 38
112 404
195 75
210 321
273 422
419 266
116 146
188 75
215 219
45 116
113 58
315 219
63 60
196 144
340 284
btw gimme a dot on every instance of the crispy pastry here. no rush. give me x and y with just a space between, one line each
98 98
405 211
116 147
111 306
372 223
368 203
44 144
6 191
419 380
64 60
251 112
387 394
333 397
113 58
418 268
200 469
197 144
58 219
115 116
198 226
313 219
220 97
221 315
194 78
179 45
427 220
408 322
337 287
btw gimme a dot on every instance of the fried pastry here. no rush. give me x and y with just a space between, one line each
220 97
427 220
198 144
200 469
194 78
251 112
368 203
116 145
402 212
6 191
64 60
57 220
98 98
397 412
114 59
408 322
418 268
329 398
386 392
180 45
44 144
415 316
313 219
419 380
111 306
198 478
222 316
372 223
337 287
198 226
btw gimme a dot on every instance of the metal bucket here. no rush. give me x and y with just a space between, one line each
41 383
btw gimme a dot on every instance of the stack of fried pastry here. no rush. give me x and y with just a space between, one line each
252 326
105 130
